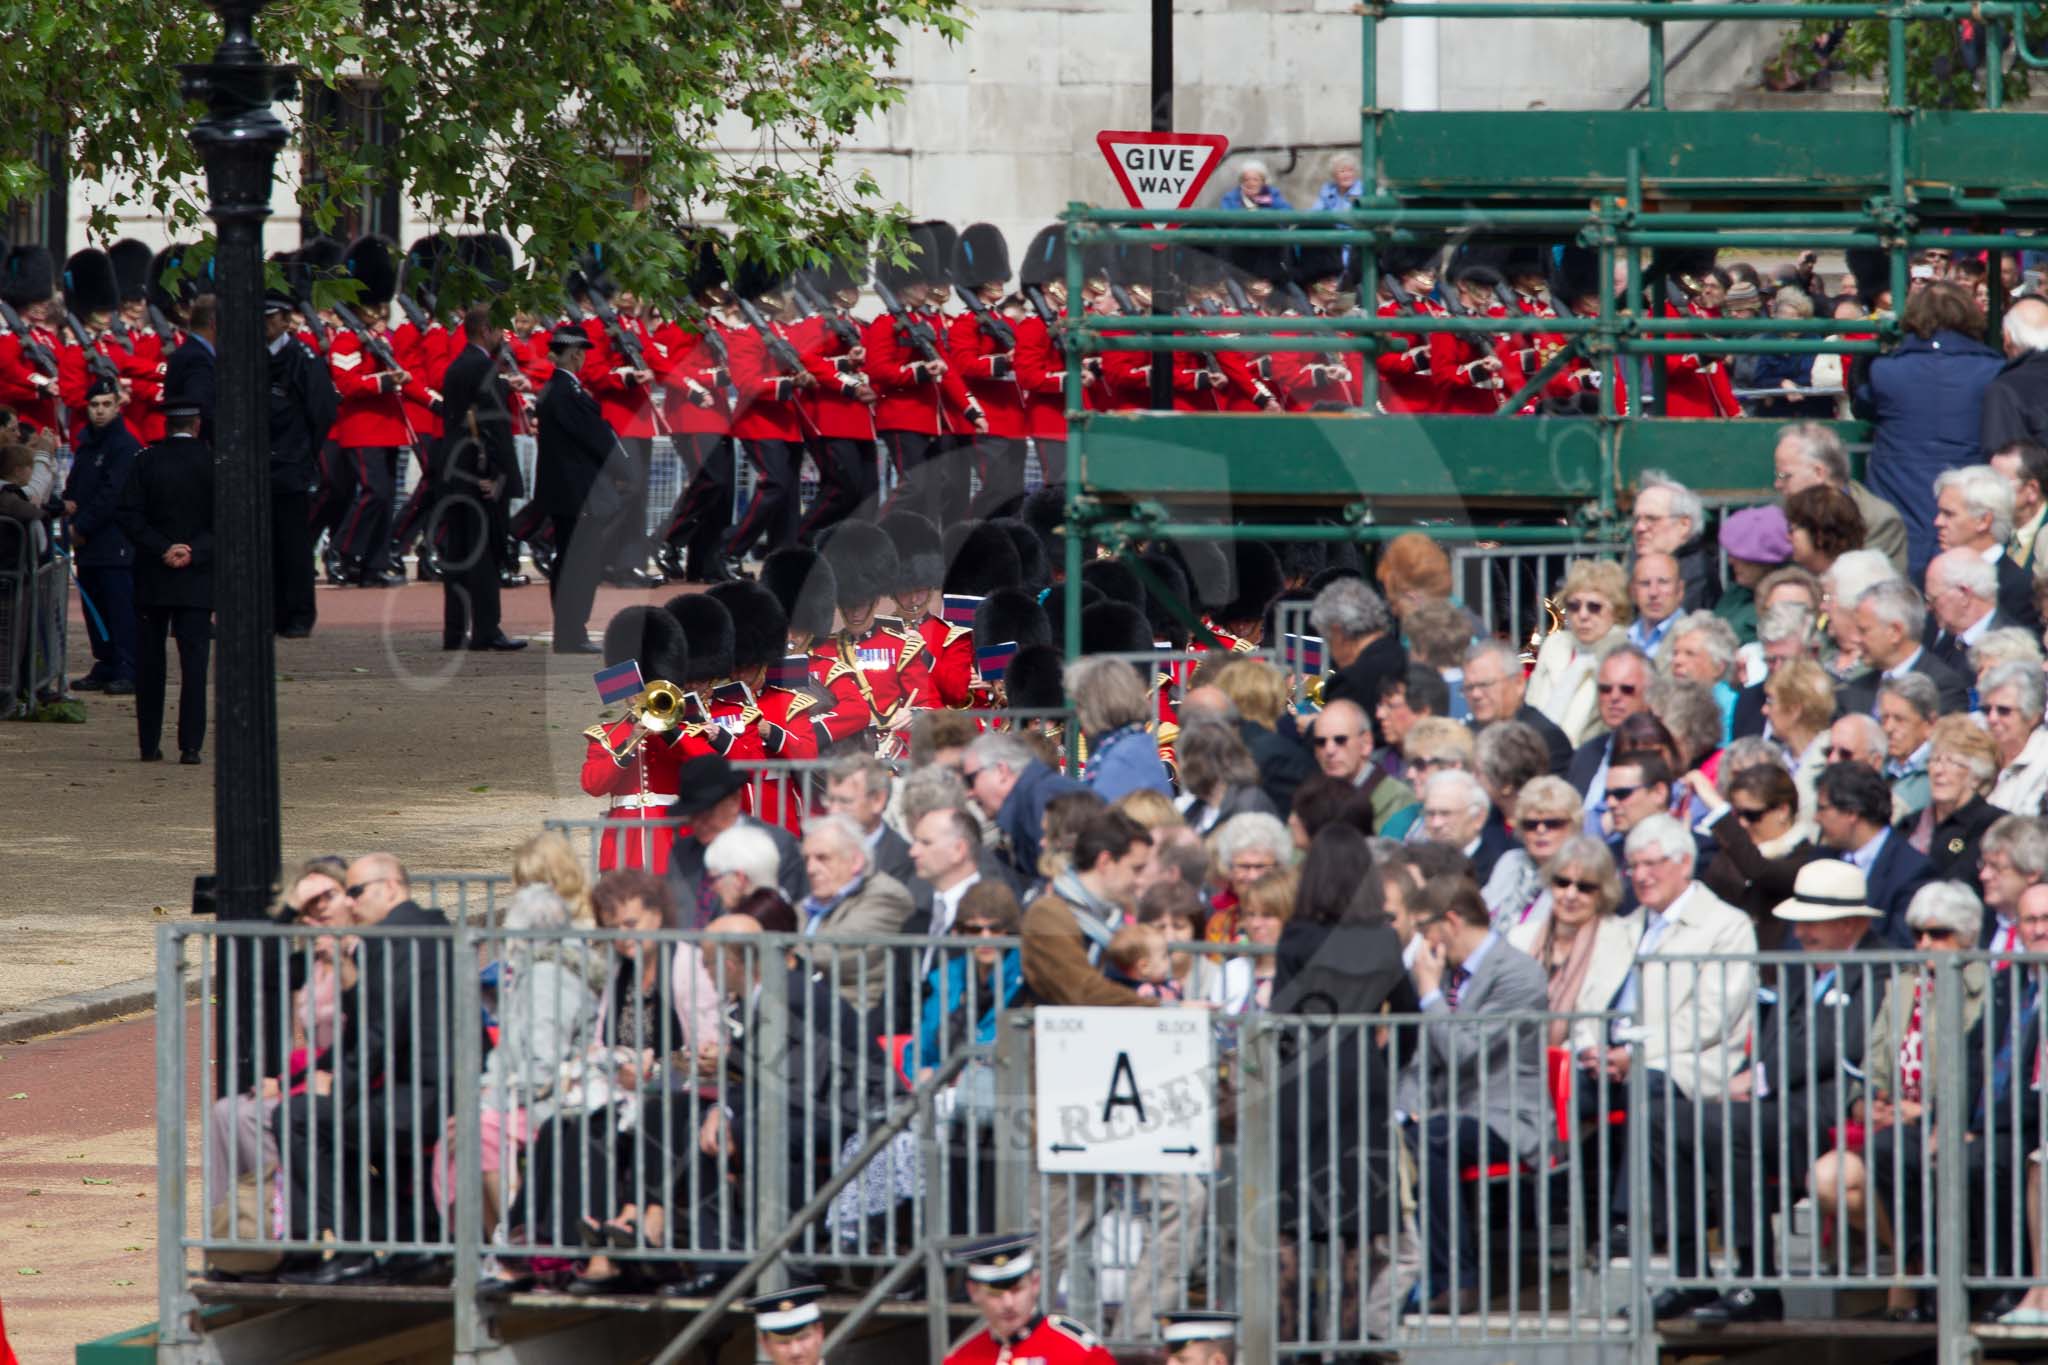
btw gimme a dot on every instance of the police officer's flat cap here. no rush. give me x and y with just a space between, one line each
567 334
999 1260
787 1311
1197 1325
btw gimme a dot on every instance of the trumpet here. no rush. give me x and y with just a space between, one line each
657 706
1315 689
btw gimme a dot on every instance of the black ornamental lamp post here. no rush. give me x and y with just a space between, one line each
238 139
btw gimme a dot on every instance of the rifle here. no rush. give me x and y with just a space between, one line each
313 323
95 359
779 350
119 328
165 330
628 346
1035 296
841 325
992 327
915 332
37 353
381 353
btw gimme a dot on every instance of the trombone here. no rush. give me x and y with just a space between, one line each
655 709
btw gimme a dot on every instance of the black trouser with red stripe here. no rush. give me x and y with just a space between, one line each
365 536
847 479
772 514
697 523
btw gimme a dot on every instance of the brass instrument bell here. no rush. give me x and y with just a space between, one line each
657 706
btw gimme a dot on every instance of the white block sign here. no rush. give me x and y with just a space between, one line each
1126 1091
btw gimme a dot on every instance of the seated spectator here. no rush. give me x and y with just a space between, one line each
1585 949
1113 711
548 994
2011 645
1342 744
1176 909
849 895
1702 650
1259 693
1245 848
1810 454
1962 764
1012 786
1856 738
859 787
1761 842
1973 511
1853 808
1593 602
1067 929
2011 695
1756 1136
1850 577
1254 188
1342 189
1799 704
1434 744
1623 689
1480 1098
711 795
2022 461
1639 784
547 859
967 990
2014 858
1891 621
1507 757
1907 708
1179 855
1064 816
1546 813
1758 543
1415 571
1439 632
1417 695
1496 690
1823 524
1455 813
1902 1051
1785 634
1657 595
940 738
1962 599
1359 638
1137 958
1217 776
1323 801
1669 519
945 849
1695 1019
1246 983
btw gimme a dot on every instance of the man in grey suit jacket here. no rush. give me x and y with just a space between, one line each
849 896
1473 1094
858 788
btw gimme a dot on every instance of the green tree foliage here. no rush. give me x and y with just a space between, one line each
559 123
1936 75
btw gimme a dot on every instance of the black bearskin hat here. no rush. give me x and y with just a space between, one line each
980 558
863 561
1255 581
1207 568
980 257
753 279
1577 277
708 625
1035 680
1034 576
426 268
920 554
1397 261
89 284
1010 614
1116 628
936 237
1114 579
760 627
652 636
1873 271
374 261
488 259
28 275
1045 260
131 268
1165 625
802 582
1055 604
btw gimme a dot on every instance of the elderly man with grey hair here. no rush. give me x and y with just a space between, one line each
1497 689
1907 708
1892 620
1359 639
1785 632
1962 599
1973 511
1457 813
1670 519
2016 401
850 896
1010 785
1810 455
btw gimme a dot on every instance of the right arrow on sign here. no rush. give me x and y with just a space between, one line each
1181 1151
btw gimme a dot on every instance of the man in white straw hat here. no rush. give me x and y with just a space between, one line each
1771 1123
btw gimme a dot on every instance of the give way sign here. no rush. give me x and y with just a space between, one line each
1162 170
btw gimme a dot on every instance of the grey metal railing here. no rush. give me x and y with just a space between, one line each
34 603
1507 585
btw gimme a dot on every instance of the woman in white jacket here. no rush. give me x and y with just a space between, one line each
1584 948
1595 607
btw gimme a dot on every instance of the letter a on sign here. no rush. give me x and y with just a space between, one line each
1123 1089
1161 170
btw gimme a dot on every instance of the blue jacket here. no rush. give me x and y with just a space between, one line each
1330 198
1124 761
1233 198
98 469
1021 819
949 993
1926 398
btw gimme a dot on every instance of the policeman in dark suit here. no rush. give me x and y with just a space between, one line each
575 486
476 470
189 372
104 559
302 410
166 511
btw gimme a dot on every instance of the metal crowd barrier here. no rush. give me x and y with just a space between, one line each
1446 1182
34 621
1506 586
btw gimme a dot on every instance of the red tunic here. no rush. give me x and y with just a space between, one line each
1042 376
1051 1340
767 408
22 385
627 406
838 683
794 730
1475 391
368 416
888 669
952 660
643 786
1406 381
905 402
990 374
688 369
1696 385
143 368
425 357
833 411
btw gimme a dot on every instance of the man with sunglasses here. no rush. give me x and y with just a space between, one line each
1804 1050
1853 806
1623 690
1342 741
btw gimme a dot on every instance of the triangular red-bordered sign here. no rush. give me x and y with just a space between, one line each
1161 170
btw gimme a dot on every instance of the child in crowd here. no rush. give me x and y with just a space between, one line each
1138 959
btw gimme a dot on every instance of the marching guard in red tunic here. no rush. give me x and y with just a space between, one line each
1003 1283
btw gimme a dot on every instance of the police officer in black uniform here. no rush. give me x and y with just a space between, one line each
576 480
166 511
476 470
302 411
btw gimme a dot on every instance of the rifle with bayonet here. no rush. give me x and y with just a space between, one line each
96 360
912 331
842 326
381 352
628 345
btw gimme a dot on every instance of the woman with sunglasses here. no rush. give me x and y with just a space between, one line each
1876 1169
2011 696
1595 609
1960 770
1578 940
1546 812
1762 843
